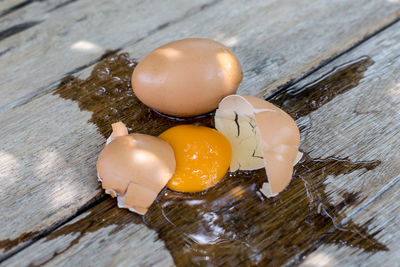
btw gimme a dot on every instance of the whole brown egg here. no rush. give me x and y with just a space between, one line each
187 77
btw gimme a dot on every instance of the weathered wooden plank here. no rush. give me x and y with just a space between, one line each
17 14
72 37
385 214
9 6
20 121
366 130
361 124
260 32
52 162
276 46
89 242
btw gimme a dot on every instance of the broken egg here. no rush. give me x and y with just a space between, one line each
261 135
187 77
202 157
135 168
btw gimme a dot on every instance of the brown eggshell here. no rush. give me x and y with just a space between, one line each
279 166
187 77
139 197
273 136
270 116
136 164
118 129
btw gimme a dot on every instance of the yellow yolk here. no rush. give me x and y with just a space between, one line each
202 156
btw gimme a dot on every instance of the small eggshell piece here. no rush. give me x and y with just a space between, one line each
139 194
119 129
279 166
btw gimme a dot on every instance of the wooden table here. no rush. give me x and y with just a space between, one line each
53 210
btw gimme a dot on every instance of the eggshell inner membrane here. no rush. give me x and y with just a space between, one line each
261 135
245 141
135 168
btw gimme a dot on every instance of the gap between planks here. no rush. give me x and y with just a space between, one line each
93 202
51 87
23 4
102 197
15 7
369 202
325 62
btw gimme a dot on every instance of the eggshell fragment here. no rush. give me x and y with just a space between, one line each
187 77
118 129
261 135
135 168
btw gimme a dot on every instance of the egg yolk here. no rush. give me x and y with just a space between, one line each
202 156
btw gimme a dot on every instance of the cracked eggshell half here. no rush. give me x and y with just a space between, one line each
135 168
261 135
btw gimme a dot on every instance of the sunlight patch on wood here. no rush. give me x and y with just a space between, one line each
9 165
395 91
63 191
319 259
86 46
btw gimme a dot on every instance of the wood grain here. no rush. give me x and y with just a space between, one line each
367 126
39 109
75 36
88 242
386 215
49 149
21 12
361 124
272 46
9 6
277 41
53 162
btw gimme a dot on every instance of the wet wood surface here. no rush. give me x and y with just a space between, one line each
50 140
386 214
